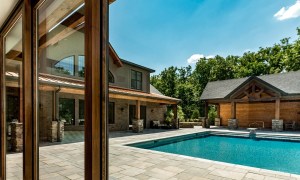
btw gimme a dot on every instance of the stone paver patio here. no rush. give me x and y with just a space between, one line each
65 161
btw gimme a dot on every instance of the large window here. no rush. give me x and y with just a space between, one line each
136 80
111 113
65 66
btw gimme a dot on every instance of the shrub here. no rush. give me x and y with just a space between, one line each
212 114
169 116
195 114
180 114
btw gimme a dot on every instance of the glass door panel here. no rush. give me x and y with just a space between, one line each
13 98
60 77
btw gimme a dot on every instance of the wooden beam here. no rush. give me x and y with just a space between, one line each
138 110
15 55
146 99
96 89
233 110
57 15
277 109
74 27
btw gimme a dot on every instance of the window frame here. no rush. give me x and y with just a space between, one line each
134 82
74 66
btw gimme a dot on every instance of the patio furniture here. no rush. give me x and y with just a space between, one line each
291 125
157 125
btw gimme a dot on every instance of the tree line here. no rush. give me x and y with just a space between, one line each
187 84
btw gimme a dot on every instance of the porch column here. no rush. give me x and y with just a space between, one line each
277 109
138 110
218 110
176 121
233 110
206 109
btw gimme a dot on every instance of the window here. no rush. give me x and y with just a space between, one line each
111 113
67 110
136 80
81 66
65 66
81 109
111 78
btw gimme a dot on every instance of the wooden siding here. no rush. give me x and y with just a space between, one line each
251 112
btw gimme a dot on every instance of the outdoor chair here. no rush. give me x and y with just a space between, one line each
157 125
291 125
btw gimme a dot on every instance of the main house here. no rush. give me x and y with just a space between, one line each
62 94
267 101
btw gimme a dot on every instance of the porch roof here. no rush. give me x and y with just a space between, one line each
76 86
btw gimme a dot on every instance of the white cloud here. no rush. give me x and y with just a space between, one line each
195 58
288 12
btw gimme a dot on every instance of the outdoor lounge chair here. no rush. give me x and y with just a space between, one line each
291 125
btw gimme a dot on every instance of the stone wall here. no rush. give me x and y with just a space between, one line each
189 124
16 137
45 113
155 112
56 131
121 115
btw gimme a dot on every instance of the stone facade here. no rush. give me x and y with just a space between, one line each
16 137
56 131
137 125
189 124
277 125
233 123
217 121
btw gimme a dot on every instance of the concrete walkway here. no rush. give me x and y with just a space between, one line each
65 161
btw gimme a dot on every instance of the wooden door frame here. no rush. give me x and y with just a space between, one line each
10 22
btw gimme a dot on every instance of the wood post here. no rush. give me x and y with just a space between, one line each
96 89
138 110
233 110
218 110
277 109
206 109
30 107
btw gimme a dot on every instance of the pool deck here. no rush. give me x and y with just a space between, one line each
65 161
134 163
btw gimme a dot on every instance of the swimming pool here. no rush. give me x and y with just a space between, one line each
267 154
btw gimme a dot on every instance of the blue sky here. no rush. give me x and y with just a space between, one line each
162 33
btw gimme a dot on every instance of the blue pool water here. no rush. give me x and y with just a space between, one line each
268 154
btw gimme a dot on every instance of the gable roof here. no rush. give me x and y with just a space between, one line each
286 83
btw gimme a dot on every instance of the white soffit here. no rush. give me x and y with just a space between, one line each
6 7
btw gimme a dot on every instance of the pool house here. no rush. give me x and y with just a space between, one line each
267 102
